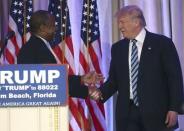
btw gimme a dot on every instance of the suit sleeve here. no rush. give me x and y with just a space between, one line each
75 87
173 72
110 86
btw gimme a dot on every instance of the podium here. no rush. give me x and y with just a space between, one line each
34 98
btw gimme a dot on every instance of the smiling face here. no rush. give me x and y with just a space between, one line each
126 26
130 21
129 26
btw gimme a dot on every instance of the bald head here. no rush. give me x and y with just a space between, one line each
133 11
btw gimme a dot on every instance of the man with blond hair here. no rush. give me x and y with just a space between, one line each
145 71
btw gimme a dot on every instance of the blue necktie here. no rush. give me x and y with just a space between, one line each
134 71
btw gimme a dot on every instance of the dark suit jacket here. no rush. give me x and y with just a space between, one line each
35 51
159 81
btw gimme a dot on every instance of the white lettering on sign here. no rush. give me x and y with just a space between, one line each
25 95
32 76
17 87
20 80
45 95
53 74
38 77
6 76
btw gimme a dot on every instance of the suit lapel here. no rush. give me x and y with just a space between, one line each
124 51
46 51
127 55
146 49
123 59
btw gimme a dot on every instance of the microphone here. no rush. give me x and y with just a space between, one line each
8 36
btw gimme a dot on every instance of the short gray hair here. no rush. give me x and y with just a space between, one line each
132 10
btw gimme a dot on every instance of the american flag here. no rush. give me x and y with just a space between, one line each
63 48
20 14
90 58
62 43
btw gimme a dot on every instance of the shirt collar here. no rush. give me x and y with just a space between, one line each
44 40
141 36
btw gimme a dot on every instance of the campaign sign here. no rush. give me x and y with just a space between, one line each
33 85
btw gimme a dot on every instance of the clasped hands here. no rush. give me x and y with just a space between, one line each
91 79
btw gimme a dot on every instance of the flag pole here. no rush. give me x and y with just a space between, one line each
88 58
57 109
24 31
62 36
87 35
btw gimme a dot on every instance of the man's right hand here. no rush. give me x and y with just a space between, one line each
92 78
95 93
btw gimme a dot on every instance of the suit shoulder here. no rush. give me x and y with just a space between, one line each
160 37
119 43
163 42
33 43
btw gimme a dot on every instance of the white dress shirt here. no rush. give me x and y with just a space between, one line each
140 40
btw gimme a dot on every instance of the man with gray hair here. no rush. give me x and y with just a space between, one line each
145 71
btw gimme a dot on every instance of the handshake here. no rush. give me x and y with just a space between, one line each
92 79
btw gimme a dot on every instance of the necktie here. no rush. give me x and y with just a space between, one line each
134 71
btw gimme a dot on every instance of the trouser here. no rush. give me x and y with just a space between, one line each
135 122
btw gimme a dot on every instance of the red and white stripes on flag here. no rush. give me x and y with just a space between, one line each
90 59
20 13
85 114
63 48
62 43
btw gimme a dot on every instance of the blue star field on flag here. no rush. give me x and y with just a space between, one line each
19 16
61 12
90 22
